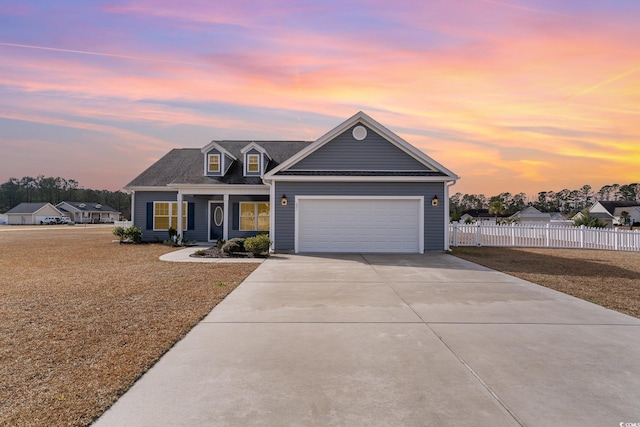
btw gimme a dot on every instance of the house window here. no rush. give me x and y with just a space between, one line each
165 215
254 216
214 163
253 163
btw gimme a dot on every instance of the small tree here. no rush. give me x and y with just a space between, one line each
119 232
589 221
625 218
496 208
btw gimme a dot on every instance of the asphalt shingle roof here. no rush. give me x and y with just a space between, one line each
90 206
611 206
186 165
26 208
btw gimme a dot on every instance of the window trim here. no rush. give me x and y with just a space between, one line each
257 163
255 216
173 207
209 170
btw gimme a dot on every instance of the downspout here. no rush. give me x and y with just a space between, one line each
272 213
133 207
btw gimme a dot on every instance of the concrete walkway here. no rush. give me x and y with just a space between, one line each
392 340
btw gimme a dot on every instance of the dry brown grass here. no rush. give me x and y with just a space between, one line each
81 318
608 278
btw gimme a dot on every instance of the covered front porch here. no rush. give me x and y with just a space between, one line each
209 213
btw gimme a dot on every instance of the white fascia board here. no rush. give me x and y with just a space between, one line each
220 189
254 146
151 188
67 207
407 148
359 178
365 119
214 144
316 144
313 197
44 206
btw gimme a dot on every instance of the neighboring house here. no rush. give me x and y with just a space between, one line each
605 217
85 212
615 209
358 188
531 214
31 213
632 211
558 216
476 215
3 219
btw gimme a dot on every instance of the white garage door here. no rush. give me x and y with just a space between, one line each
359 225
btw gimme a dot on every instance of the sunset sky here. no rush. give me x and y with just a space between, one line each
514 95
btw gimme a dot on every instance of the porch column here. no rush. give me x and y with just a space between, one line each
225 221
179 227
133 207
272 215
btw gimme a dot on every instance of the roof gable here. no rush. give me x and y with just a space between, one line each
84 206
254 146
610 206
214 145
361 144
28 208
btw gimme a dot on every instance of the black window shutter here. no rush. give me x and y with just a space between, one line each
235 216
191 216
150 216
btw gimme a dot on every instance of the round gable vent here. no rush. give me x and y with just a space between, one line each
359 133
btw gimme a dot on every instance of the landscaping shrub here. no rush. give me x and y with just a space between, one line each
133 234
233 246
257 245
119 233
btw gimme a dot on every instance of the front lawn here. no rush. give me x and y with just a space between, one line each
608 278
82 318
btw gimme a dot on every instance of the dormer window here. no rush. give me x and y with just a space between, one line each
214 163
256 160
253 163
216 160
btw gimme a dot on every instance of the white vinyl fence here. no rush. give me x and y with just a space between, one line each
543 236
123 224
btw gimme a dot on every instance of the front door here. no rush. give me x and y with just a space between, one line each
217 221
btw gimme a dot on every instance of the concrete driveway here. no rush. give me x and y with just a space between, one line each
403 340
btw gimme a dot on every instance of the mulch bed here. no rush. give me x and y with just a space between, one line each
82 318
215 252
607 278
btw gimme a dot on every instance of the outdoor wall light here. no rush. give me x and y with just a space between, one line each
283 201
434 201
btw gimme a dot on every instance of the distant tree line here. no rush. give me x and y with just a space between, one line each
55 190
565 201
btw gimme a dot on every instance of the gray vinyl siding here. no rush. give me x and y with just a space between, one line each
200 206
228 161
433 216
374 153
